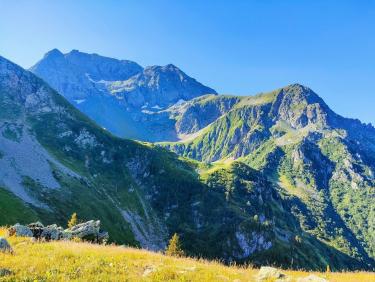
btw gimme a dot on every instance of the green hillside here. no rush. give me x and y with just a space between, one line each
55 161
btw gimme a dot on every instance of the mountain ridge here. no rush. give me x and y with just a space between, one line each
142 193
118 92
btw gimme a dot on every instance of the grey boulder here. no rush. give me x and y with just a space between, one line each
5 246
88 231
52 232
267 273
20 231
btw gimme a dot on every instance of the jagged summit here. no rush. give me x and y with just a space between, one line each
54 53
122 90
307 93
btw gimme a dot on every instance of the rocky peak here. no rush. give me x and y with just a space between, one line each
159 86
299 106
54 53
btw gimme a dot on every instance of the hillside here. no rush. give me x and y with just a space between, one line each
69 261
323 161
55 161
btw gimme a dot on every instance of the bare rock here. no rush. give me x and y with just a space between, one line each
37 229
103 237
267 273
5 272
52 232
86 231
20 231
5 246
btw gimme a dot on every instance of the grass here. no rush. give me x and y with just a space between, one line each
71 261
14 210
285 183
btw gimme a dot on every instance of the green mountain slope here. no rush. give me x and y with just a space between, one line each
326 162
55 161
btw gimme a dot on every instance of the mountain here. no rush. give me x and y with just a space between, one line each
322 160
55 161
120 95
292 183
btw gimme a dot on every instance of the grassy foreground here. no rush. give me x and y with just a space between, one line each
70 261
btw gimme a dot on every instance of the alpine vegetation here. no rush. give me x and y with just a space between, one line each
273 179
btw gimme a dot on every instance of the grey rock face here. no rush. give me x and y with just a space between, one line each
158 86
255 243
122 90
78 75
5 246
74 74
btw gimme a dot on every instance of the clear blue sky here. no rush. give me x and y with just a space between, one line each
236 47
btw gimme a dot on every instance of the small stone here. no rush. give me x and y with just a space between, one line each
5 246
149 270
103 237
5 272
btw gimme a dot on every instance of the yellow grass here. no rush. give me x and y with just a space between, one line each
69 261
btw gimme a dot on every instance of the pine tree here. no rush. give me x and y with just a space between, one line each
73 220
174 247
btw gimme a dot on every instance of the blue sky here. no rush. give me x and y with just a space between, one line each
237 47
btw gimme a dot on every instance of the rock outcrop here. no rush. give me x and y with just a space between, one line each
86 231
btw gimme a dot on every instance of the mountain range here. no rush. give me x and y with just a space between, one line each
275 178
120 95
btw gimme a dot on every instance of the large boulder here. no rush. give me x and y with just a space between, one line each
267 273
52 232
5 246
37 229
88 231
20 231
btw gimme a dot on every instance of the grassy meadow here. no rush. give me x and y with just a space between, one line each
72 261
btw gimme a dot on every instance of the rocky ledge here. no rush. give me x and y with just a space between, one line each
87 231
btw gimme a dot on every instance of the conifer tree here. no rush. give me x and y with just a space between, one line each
174 247
73 220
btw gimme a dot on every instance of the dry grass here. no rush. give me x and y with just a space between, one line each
69 261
